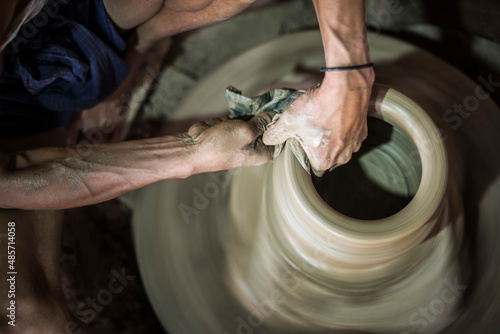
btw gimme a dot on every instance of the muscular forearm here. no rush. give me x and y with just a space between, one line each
58 178
343 32
342 25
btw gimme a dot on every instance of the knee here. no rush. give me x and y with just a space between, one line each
242 3
246 2
131 13
200 5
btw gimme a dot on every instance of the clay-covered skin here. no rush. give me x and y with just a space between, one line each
269 283
220 142
51 178
334 270
36 179
40 175
330 120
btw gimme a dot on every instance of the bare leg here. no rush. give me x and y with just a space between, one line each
128 14
159 19
177 16
35 286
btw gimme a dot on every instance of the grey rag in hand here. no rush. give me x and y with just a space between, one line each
276 100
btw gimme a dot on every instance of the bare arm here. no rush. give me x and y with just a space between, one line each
330 121
342 26
58 178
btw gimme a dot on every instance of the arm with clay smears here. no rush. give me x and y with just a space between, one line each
330 121
58 178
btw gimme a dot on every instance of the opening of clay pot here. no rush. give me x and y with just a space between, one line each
404 160
379 180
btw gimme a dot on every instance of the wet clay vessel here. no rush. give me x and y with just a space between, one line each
265 250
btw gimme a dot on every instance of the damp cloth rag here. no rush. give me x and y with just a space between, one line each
276 100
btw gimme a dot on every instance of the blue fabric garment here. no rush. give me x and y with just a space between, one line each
69 64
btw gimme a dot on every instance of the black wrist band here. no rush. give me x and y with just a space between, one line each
345 68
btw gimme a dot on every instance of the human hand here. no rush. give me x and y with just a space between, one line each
110 120
329 121
104 123
224 143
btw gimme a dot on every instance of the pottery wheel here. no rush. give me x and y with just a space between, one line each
180 227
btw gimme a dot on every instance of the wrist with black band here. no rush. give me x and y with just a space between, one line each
345 68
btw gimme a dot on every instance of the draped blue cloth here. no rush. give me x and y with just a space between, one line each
53 70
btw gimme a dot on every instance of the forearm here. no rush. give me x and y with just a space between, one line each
58 178
343 32
342 25
330 120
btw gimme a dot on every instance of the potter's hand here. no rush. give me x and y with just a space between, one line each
329 121
225 143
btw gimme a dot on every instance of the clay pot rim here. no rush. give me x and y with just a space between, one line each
404 114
